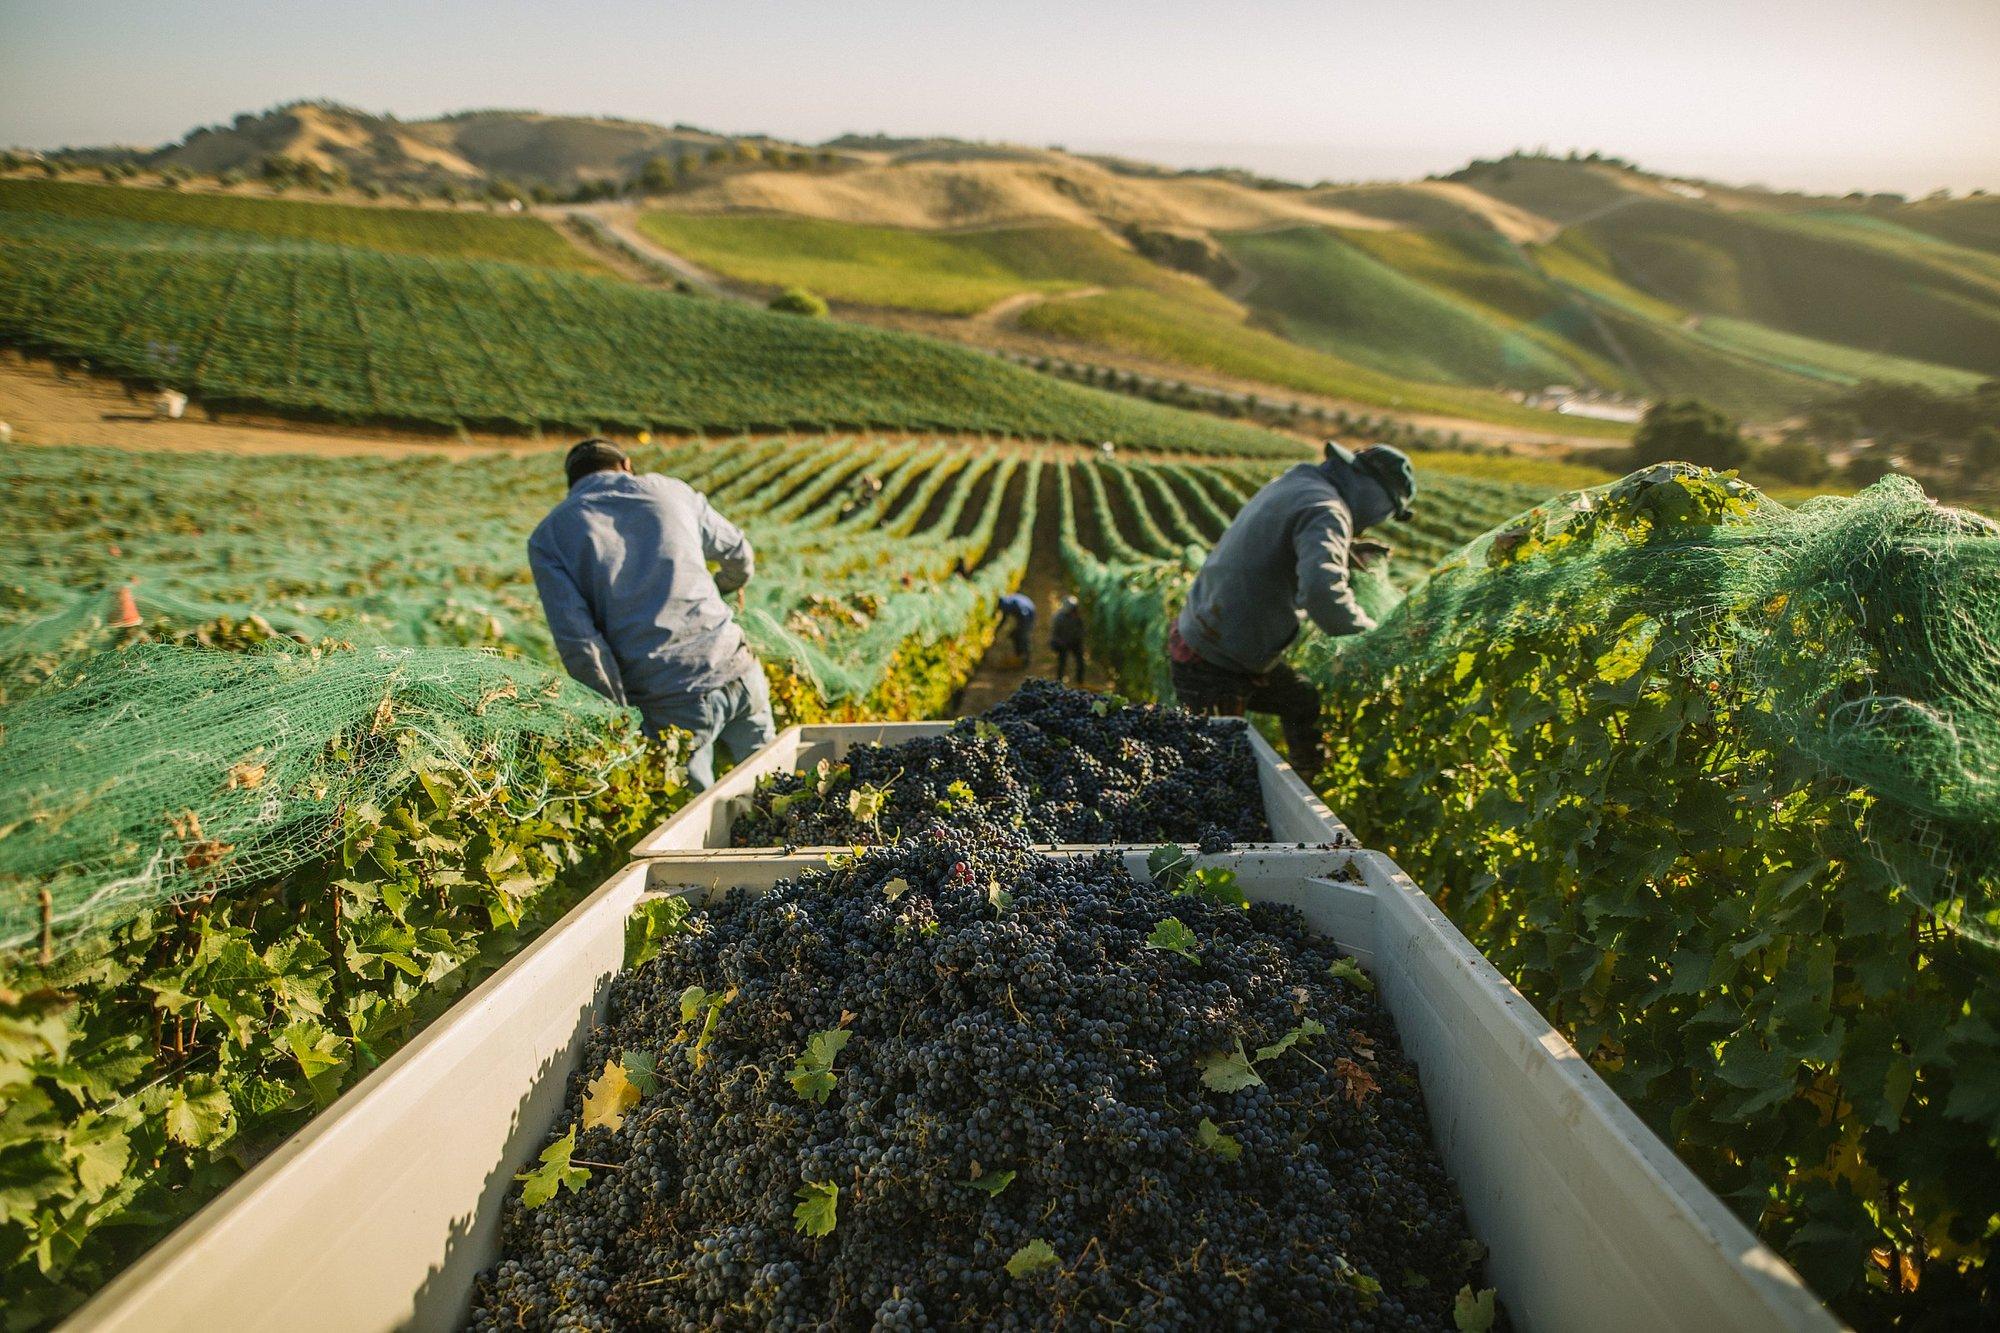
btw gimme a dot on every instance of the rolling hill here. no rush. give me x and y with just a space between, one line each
1460 295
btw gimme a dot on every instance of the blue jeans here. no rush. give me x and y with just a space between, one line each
737 714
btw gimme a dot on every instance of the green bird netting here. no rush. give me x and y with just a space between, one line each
138 776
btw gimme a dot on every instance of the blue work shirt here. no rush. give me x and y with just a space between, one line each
1015 604
622 568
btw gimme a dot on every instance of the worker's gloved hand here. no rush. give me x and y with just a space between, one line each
1367 552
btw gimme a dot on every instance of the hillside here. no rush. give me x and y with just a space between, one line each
466 148
1459 296
358 333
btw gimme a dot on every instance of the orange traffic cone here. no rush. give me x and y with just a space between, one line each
125 609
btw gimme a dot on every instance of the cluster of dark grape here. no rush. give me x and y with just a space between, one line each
1025 1125
1054 764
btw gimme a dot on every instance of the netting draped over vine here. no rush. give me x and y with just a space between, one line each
159 771
1868 628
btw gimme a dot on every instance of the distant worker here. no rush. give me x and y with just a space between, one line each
622 565
1066 637
1019 613
1285 557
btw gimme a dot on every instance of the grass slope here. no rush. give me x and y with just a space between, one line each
1146 324
362 335
1839 277
397 230
949 273
1331 293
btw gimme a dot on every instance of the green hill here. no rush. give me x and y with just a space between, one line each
953 273
1843 277
356 334
413 231
1328 291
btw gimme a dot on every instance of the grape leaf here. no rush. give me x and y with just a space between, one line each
1358 1080
699 1002
197 1110
785 801
1350 971
1229 1071
819 1202
653 921
812 1075
608 1097
866 802
643 1068
555 1173
827 772
1173 936
1310 1027
1473 1311
895 888
992 1182
958 796
1033 1257
1216 884
1210 1138
999 897
987 731
1169 864
1370 1289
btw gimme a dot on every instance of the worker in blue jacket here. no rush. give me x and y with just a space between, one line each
622 566
1018 612
1284 559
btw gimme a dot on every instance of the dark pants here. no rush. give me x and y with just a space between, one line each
1065 654
1024 637
1204 687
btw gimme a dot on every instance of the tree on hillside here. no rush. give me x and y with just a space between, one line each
1794 459
1687 430
660 174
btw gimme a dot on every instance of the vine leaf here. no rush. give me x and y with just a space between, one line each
819 1204
1210 1138
1229 1071
1174 937
1359 1081
608 1097
1169 864
698 1002
1215 884
865 802
1310 1027
1350 971
895 888
197 1110
554 1174
1033 1257
652 923
643 1068
812 1074
992 1182
1369 1289
999 897
1473 1311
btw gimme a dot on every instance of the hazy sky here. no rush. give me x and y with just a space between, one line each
1818 94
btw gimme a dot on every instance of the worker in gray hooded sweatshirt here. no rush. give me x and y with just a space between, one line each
622 567
1285 557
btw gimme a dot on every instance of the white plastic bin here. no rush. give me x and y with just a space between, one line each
1295 813
380 1213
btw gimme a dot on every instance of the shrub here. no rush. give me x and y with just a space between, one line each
1687 430
799 301
1794 460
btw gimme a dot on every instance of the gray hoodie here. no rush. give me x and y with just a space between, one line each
1283 558
622 567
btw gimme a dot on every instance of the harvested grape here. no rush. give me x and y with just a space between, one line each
959 1083
1054 764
